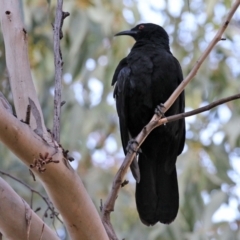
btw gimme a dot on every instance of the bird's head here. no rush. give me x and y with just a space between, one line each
148 32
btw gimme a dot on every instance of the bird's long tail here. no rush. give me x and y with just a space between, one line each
157 195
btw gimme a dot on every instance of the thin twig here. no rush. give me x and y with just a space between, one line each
58 62
110 202
216 39
45 199
31 201
58 71
101 205
32 174
28 114
124 183
199 110
53 224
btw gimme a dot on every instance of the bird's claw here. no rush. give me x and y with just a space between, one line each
160 110
130 146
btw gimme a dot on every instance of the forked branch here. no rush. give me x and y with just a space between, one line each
198 110
157 121
190 76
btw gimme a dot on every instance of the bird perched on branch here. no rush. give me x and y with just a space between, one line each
143 80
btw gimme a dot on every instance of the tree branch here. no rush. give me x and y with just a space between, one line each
13 211
16 47
216 39
45 199
155 122
62 183
57 36
198 110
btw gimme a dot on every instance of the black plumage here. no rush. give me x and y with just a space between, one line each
143 80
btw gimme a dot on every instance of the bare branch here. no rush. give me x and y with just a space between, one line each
199 110
32 174
13 211
28 114
216 39
109 228
62 184
19 72
57 36
45 199
155 122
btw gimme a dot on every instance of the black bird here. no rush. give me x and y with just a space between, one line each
143 80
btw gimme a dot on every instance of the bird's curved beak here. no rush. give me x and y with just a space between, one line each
131 33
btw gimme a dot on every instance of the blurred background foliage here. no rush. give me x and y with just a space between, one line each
209 168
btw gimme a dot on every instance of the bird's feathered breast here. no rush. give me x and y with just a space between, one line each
154 73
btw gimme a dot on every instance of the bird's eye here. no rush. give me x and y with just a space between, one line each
141 27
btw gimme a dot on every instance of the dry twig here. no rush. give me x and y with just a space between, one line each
60 16
216 39
49 204
198 110
28 114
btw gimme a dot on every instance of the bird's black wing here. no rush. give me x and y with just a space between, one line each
182 130
177 127
121 79
122 64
